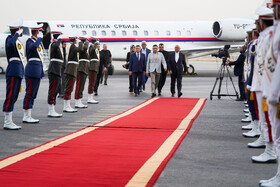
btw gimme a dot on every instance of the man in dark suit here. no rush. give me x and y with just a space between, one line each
137 66
146 52
176 67
238 71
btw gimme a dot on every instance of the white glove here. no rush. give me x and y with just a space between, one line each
248 87
40 35
273 100
59 37
20 31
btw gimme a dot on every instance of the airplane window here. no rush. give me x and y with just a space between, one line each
189 33
26 31
93 33
124 33
156 33
84 32
146 33
135 33
113 33
168 33
103 33
178 33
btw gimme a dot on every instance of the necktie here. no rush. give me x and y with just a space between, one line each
138 56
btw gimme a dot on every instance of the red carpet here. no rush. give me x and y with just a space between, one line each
130 149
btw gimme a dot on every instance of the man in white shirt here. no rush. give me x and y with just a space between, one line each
155 59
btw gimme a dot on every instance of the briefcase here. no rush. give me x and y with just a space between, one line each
111 70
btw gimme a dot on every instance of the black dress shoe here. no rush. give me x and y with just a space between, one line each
240 99
96 94
159 94
135 94
180 94
172 95
153 95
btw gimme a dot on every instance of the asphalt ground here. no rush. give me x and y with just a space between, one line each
214 153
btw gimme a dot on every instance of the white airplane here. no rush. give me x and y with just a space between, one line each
196 38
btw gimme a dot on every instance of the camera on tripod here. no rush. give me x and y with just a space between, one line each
222 53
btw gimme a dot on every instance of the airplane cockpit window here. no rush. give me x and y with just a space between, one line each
84 32
178 33
103 33
124 33
135 33
156 33
168 33
26 31
146 33
113 33
93 33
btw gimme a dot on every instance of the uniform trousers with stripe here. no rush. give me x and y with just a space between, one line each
31 91
275 124
264 119
54 88
80 85
92 76
253 106
69 85
12 90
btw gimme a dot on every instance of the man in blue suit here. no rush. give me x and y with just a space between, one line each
146 52
238 71
177 66
33 72
137 66
14 73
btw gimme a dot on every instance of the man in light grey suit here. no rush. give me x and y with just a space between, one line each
154 61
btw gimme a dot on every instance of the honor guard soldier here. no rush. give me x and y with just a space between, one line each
71 71
54 73
265 23
93 68
272 91
82 73
33 71
14 72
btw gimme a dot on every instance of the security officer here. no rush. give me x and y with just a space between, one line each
71 71
265 23
82 73
93 68
54 73
14 72
272 91
33 71
163 73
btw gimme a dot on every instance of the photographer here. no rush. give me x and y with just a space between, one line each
238 71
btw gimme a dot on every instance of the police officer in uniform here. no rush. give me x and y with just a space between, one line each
93 68
14 72
54 73
33 71
71 71
272 89
82 73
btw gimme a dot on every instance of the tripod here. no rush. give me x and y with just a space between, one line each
220 76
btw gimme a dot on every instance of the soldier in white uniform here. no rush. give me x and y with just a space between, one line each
271 87
269 156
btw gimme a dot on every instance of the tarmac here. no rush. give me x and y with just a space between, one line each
214 152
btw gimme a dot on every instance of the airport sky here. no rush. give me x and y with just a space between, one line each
126 10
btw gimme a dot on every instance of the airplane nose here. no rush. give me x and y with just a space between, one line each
2 45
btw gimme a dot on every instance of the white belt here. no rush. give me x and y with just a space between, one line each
56 60
14 58
72 62
34 59
94 60
83 60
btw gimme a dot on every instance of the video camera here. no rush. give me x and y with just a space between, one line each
222 53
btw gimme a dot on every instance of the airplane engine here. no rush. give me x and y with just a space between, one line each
232 29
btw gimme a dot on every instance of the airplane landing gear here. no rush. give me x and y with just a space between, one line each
190 69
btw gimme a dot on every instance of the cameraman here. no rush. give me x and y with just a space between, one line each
238 71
